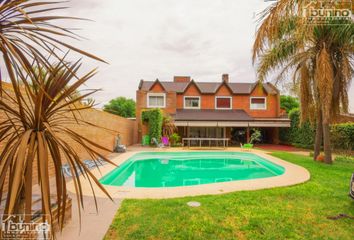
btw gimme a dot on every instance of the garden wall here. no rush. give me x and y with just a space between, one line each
126 128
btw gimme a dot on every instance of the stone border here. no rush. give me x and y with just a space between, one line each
293 175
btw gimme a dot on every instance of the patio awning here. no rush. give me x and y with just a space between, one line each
224 118
231 124
211 115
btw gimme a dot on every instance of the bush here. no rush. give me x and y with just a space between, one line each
303 135
300 135
342 136
154 118
175 140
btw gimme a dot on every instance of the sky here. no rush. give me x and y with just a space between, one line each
150 39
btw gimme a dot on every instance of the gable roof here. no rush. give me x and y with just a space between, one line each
208 87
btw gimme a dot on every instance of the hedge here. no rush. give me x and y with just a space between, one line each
298 135
342 135
154 118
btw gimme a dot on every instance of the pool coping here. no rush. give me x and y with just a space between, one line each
293 175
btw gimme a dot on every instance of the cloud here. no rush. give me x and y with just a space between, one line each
161 38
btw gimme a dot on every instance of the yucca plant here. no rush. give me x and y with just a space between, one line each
318 55
36 121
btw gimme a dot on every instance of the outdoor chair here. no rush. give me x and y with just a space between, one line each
165 141
351 191
159 145
246 146
90 164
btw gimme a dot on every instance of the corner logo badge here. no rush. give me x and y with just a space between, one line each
333 12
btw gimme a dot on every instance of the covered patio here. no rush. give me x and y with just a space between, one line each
234 125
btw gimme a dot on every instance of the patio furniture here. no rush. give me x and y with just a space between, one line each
156 143
165 141
225 142
351 191
90 164
246 146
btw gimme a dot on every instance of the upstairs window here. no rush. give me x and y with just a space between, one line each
258 103
223 102
192 102
156 100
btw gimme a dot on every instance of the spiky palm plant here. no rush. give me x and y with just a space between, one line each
319 56
36 132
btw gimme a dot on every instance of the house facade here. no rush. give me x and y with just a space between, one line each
221 109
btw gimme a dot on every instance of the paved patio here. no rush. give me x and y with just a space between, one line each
93 225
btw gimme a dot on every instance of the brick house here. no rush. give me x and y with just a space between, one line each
222 109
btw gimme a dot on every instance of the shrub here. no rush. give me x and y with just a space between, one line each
300 135
175 139
154 118
342 136
256 136
303 135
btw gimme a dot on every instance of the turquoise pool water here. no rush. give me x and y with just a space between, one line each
172 169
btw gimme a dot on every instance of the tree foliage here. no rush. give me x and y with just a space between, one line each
288 103
121 106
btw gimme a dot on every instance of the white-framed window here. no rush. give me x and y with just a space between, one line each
191 102
156 100
223 102
258 103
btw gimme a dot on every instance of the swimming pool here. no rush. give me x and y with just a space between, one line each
173 169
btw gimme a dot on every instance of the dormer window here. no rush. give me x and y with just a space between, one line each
156 100
191 102
258 103
223 103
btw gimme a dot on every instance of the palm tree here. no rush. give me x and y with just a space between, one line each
42 106
319 57
37 123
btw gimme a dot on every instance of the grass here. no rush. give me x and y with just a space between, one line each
297 212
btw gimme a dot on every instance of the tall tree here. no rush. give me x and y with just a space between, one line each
121 106
319 57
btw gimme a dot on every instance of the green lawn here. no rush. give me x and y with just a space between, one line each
297 212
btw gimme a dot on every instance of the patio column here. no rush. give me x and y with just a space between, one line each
248 134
